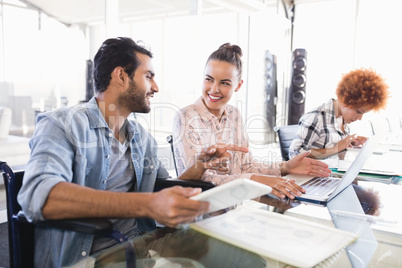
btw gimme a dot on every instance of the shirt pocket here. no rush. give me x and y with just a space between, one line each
82 170
151 165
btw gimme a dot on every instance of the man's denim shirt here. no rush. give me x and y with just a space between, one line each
74 145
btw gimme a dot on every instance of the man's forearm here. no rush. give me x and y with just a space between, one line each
68 201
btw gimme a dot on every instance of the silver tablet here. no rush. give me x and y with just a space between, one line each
232 193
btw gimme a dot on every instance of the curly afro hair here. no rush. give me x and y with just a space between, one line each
363 87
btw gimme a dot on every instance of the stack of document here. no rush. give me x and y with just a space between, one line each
377 164
283 238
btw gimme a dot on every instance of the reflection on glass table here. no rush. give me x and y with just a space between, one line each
369 209
185 247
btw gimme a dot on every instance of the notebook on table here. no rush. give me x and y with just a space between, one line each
321 190
276 236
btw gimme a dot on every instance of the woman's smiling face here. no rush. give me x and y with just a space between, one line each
221 79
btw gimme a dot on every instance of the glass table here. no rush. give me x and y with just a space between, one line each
369 208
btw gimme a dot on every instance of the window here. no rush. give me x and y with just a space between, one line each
346 34
43 60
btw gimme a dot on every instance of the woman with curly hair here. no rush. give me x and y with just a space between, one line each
325 130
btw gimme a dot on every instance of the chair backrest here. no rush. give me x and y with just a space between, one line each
169 139
20 234
286 135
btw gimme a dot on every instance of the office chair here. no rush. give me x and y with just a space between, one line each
286 135
169 139
21 232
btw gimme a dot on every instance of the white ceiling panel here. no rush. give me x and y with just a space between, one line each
93 11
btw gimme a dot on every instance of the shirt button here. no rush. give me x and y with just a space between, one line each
151 166
83 253
110 134
108 156
104 181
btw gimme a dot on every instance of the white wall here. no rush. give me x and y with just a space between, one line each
338 35
181 46
343 35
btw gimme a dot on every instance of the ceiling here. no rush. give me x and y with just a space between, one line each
93 11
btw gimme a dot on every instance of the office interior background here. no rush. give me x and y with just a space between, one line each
45 46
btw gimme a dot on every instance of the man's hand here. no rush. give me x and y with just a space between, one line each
301 164
217 156
172 206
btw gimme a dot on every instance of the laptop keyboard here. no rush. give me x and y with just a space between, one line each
320 186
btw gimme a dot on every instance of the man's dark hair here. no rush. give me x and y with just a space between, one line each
115 52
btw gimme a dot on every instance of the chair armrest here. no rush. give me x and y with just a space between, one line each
95 226
162 183
101 227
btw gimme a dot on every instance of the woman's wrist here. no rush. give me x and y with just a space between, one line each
283 169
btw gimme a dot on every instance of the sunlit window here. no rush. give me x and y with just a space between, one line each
21 45
42 65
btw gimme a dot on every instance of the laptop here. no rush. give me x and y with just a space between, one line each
321 190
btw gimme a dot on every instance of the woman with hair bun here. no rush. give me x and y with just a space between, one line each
211 120
325 130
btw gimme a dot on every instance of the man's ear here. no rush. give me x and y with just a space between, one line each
239 85
119 74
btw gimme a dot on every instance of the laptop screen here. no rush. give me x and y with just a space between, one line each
357 164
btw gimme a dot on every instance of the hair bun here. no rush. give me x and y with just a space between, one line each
237 50
234 48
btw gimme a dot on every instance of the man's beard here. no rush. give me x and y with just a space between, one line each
134 99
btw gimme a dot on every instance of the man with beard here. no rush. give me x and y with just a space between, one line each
91 161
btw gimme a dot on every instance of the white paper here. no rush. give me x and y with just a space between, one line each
287 239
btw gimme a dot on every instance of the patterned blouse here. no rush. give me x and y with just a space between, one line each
318 129
196 128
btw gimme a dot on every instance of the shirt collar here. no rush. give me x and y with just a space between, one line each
205 113
96 119
332 108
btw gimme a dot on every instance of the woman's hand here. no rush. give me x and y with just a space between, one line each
214 157
217 156
301 164
359 141
280 187
347 142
